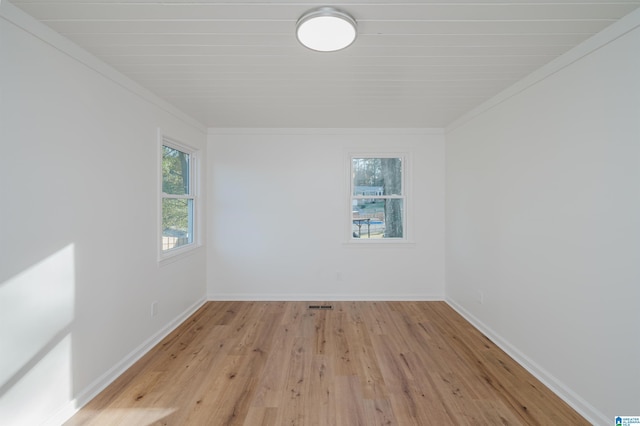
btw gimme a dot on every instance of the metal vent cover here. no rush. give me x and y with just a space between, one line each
321 307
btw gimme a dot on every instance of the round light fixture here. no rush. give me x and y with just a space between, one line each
326 29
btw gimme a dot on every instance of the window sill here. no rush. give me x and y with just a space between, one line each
378 243
178 254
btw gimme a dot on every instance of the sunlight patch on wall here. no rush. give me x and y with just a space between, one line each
36 314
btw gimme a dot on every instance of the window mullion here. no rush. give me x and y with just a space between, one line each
178 196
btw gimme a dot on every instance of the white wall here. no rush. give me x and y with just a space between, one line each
543 218
78 269
278 208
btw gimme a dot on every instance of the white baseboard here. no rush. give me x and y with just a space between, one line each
589 412
295 297
91 391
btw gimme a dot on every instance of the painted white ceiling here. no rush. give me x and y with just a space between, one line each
414 63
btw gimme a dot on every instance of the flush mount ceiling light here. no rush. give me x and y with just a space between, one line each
326 29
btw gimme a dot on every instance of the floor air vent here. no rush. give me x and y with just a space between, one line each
321 307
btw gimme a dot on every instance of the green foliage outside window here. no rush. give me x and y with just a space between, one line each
177 202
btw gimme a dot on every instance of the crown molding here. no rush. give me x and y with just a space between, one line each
323 131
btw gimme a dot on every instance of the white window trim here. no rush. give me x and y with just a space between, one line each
407 156
169 256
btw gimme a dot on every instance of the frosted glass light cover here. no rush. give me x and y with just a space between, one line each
326 30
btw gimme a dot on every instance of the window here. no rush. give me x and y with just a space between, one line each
378 197
178 197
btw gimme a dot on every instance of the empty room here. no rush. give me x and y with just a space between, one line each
302 213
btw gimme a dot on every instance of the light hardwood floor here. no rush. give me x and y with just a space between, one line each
362 363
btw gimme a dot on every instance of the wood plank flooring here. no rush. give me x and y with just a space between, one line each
362 363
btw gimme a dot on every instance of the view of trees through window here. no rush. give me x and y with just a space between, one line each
377 197
177 198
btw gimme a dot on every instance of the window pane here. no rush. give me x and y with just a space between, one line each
175 171
377 176
378 218
177 223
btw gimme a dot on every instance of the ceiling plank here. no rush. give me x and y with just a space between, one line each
241 11
286 27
